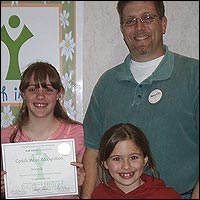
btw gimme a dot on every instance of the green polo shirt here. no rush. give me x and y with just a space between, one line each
165 107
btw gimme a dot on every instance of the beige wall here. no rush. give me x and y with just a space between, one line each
104 46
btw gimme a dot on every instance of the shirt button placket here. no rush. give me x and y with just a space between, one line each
138 95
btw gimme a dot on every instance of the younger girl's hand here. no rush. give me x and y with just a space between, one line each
2 183
80 172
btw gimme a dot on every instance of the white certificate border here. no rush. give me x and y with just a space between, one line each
7 145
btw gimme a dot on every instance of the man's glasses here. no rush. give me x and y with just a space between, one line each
146 19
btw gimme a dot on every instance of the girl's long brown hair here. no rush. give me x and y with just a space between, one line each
40 70
121 132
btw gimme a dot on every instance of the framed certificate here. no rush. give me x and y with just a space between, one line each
39 169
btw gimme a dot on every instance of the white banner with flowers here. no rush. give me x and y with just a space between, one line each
50 31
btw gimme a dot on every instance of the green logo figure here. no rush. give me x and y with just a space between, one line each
14 46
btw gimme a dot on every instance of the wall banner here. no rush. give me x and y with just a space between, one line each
49 31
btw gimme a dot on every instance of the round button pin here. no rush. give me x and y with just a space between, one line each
155 96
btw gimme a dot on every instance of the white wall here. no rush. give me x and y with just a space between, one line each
104 46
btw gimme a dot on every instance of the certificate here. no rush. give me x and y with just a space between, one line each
39 169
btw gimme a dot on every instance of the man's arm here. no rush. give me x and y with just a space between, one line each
91 176
195 194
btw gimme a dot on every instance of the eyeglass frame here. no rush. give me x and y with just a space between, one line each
49 90
150 16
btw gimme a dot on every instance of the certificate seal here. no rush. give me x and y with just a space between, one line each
64 149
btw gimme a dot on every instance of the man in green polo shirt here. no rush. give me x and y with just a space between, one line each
154 89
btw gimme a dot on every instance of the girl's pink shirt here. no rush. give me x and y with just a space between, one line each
65 131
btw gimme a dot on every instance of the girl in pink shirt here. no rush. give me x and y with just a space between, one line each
42 116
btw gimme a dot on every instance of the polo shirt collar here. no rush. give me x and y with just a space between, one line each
163 71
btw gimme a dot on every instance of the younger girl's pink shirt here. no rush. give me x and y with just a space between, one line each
65 131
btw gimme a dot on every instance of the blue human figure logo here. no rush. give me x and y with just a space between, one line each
14 46
4 94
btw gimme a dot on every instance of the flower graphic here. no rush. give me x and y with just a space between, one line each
64 19
68 105
67 81
68 46
6 117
